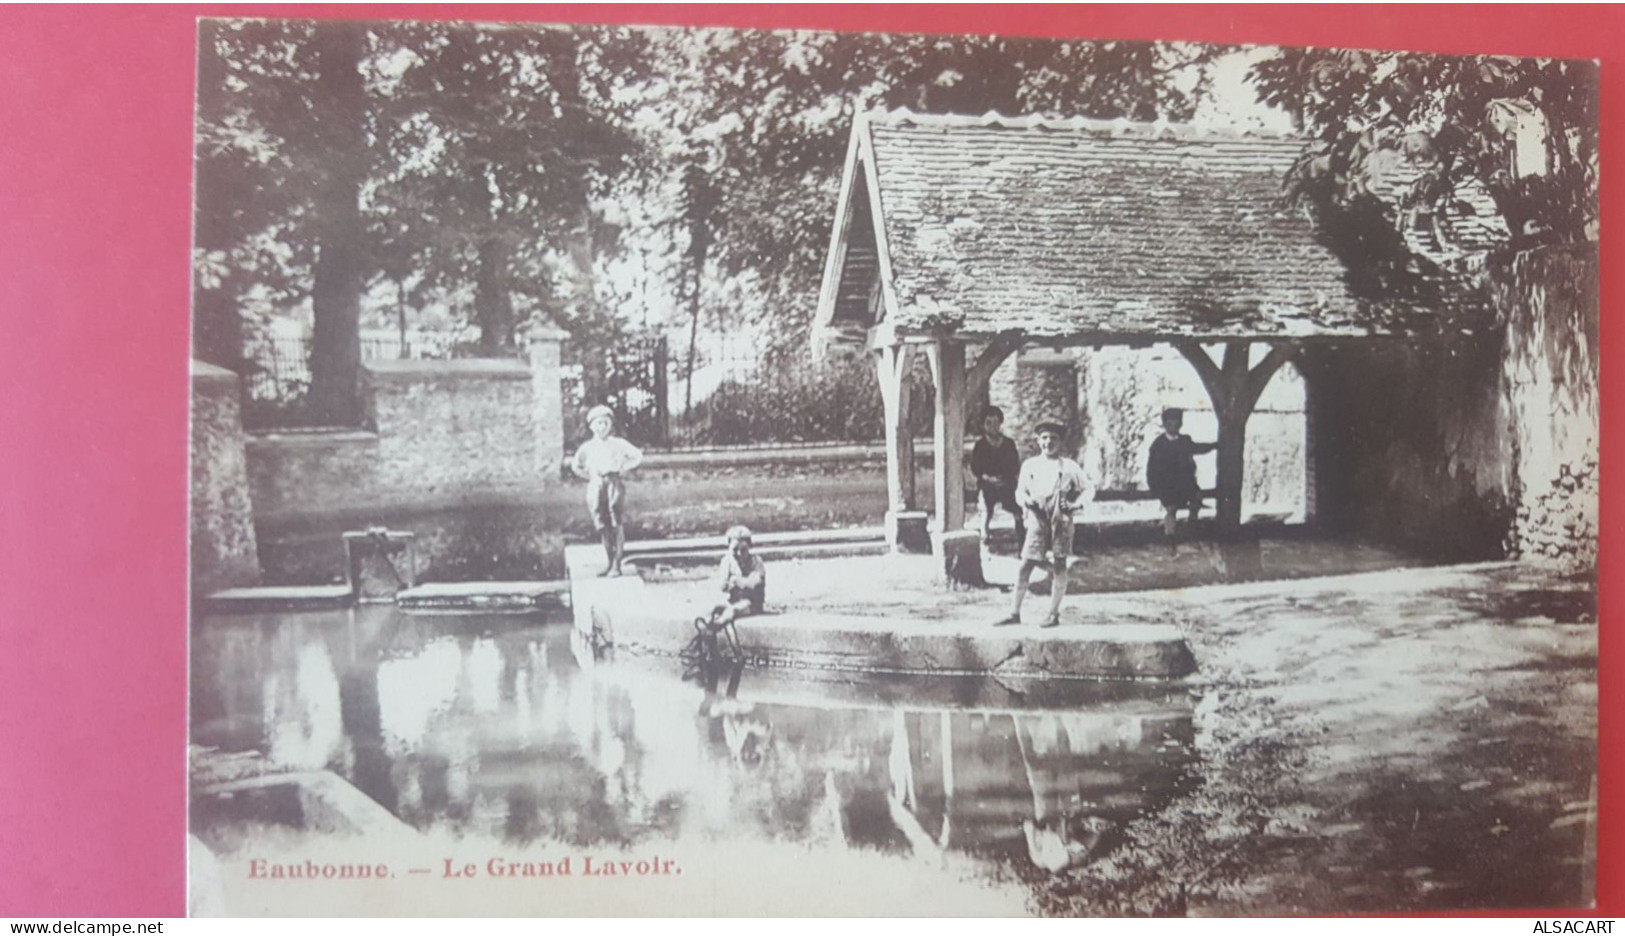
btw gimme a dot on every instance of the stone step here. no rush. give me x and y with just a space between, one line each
785 551
986 694
516 597
278 598
623 614
760 541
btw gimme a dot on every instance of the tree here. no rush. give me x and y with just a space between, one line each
492 153
1525 130
281 156
341 252
750 130
249 193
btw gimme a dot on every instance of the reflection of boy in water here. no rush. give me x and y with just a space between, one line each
1060 835
745 729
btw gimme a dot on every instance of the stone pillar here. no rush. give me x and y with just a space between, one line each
224 551
549 403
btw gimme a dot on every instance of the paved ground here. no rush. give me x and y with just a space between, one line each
902 586
1399 741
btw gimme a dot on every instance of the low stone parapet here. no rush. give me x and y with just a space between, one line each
627 613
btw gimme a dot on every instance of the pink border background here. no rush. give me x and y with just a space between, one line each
95 201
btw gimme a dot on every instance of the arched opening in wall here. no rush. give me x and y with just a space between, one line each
1122 392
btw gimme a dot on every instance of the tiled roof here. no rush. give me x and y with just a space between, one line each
1078 228
1468 222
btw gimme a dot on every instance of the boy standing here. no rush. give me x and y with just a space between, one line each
601 460
1051 487
996 464
1170 472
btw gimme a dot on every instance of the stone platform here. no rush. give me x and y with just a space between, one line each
515 597
655 615
257 598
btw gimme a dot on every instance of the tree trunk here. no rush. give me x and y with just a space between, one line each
697 197
493 306
400 320
335 356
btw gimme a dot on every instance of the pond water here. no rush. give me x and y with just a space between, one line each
497 726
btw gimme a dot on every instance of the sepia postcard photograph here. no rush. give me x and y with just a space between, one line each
700 471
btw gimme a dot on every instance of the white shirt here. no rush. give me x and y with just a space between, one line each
1042 477
597 457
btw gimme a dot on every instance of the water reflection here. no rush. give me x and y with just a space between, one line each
490 726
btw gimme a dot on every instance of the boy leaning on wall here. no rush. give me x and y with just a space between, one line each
602 460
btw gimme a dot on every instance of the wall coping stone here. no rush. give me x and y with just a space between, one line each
204 372
494 368
310 438
547 333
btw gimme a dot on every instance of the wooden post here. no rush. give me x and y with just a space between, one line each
1234 390
995 353
957 550
905 526
1232 455
947 359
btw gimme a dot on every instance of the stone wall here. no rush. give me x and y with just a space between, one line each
312 472
1477 447
521 535
1412 445
439 434
1033 386
223 547
1549 300
447 429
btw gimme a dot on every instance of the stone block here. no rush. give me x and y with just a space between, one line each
907 531
959 557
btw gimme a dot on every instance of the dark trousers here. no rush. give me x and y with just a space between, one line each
1005 497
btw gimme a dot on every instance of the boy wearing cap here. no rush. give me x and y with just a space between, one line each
601 460
1051 487
1170 472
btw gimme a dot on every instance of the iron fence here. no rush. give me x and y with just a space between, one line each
277 376
730 394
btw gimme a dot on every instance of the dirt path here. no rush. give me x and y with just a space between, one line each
1399 741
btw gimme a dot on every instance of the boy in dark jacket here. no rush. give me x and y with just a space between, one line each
996 464
1170 472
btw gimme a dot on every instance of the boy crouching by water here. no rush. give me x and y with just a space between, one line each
742 581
